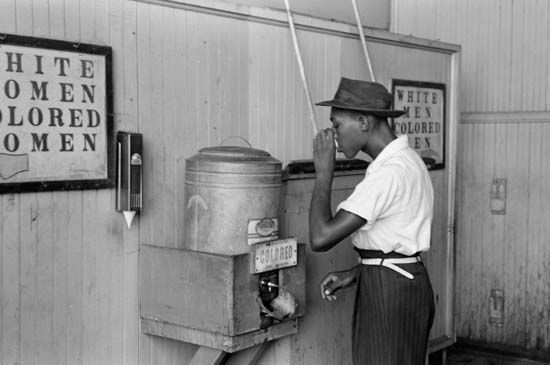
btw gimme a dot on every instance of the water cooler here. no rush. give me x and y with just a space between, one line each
235 283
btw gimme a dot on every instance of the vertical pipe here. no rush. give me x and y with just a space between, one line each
362 37
301 66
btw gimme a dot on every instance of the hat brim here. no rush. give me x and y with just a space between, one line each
377 112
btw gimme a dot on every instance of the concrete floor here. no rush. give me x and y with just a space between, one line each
471 357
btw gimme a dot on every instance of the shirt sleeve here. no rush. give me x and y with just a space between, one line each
375 197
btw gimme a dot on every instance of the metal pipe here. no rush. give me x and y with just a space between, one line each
301 66
363 42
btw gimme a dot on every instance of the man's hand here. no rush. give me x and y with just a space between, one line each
335 281
324 152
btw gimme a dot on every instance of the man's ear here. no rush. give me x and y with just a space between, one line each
365 122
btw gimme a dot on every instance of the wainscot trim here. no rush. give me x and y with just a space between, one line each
505 117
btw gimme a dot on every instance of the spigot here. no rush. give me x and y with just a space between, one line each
269 284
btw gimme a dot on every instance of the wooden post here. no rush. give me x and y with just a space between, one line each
250 356
208 356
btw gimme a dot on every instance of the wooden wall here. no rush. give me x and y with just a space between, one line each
373 13
504 99
68 287
186 80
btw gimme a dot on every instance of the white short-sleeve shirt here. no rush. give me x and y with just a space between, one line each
396 199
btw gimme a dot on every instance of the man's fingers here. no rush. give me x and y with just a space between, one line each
324 290
325 286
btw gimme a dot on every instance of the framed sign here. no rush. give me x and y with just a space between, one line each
56 128
424 118
271 255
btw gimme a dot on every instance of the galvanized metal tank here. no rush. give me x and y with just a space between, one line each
230 191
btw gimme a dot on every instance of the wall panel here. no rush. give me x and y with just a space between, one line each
504 48
504 100
63 300
507 252
186 80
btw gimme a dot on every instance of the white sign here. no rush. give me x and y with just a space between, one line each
273 255
424 118
261 230
53 115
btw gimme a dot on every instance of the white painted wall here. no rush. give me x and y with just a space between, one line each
186 80
504 133
373 13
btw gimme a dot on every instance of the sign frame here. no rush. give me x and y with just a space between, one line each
256 249
431 164
64 183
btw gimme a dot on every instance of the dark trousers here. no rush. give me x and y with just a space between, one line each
393 315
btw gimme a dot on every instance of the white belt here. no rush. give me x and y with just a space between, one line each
390 264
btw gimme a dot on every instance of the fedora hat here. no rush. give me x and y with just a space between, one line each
370 97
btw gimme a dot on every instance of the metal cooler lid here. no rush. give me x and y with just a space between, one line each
235 159
234 152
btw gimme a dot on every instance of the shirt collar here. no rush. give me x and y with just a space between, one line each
390 150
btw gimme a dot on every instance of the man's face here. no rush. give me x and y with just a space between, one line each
348 132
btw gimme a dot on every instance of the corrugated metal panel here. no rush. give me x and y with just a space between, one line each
505 69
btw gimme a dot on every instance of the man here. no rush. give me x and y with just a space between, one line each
388 216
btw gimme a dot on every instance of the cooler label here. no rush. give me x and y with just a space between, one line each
261 230
267 256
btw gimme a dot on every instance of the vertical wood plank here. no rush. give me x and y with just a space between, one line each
117 283
75 281
72 17
168 49
7 16
2 275
459 304
494 247
546 92
505 55
537 323
101 25
145 101
106 197
41 19
28 288
11 288
486 241
61 242
90 353
44 260
24 17
44 299
146 343
516 242
130 238
86 21
464 234
56 9
185 137
104 266
9 245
